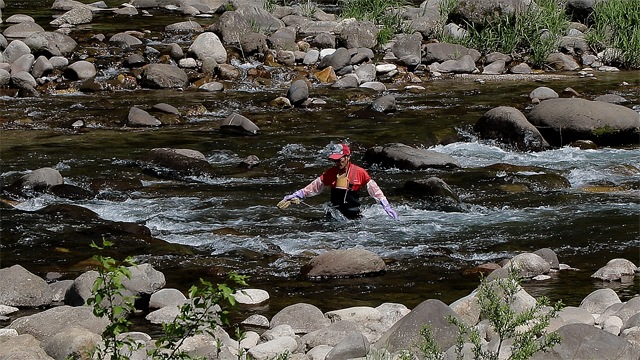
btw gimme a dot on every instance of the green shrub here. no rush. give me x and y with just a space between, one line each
206 309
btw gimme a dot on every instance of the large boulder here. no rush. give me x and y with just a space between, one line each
435 192
582 341
51 43
176 163
508 125
19 287
405 333
303 318
616 269
208 46
50 322
563 121
406 157
441 52
22 346
351 33
344 263
238 125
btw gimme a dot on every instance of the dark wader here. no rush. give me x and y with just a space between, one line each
347 202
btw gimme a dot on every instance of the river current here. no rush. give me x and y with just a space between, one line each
232 219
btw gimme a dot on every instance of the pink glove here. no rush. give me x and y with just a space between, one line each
298 194
388 209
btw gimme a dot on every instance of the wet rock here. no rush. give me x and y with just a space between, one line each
140 118
212 86
72 192
543 93
406 157
177 163
19 287
616 270
80 70
384 104
612 99
562 121
237 124
508 125
437 193
344 263
337 60
346 82
184 27
164 76
529 265
41 67
38 179
562 62
549 256
298 92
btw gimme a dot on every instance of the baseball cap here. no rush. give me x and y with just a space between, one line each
337 151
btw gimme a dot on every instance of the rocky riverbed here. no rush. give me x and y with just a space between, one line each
601 327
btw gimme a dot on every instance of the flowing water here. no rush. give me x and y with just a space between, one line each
232 221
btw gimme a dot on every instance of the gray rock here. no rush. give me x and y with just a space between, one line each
346 82
629 309
72 342
273 348
254 43
140 118
337 60
374 85
303 318
14 50
251 296
213 86
125 40
576 315
384 104
507 124
60 289
464 65
324 40
354 34
166 297
497 56
543 93
582 341
406 157
298 92
46 324
562 62
144 278
612 99
549 256
283 39
405 334
440 52
19 287
231 26
80 70
5 77
23 80
75 16
330 335
495 68
354 345
239 125
41 67
521 68
164 76
483 11
529 265
22 30
23 346
51 43
311 57
188 26
344 263
39 178
407 44
260 17
599 300
18 18
208 46
562 121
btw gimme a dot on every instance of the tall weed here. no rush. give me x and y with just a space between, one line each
616 25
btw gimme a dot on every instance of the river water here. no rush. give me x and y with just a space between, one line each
232 221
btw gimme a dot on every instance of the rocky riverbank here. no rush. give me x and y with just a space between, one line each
601 327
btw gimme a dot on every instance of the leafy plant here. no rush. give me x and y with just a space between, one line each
526 329
205 310
203 313
617 27
383 13
108 301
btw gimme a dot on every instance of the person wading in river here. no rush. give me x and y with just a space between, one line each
345 180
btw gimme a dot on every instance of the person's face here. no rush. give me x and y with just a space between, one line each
342 162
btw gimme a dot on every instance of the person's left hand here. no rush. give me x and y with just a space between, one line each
392 213
388 209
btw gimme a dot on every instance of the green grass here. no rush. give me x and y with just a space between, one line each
615 24
380 12
534 33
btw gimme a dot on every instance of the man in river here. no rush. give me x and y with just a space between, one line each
345 180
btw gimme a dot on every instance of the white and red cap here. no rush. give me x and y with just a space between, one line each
337 151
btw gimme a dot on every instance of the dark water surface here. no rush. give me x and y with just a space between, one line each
233 224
